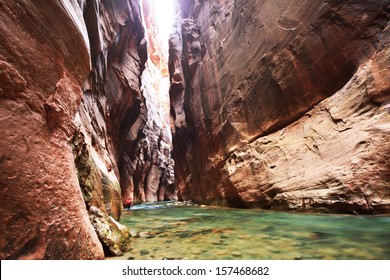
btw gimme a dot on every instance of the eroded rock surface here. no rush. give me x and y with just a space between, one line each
82 128
148 168
44 58
121 110
122 121
253 72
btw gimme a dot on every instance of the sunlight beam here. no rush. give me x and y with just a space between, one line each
165 15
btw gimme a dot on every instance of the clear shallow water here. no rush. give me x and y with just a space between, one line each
190 232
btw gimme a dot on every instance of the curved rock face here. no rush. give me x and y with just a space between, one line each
82 128
44 57
148 168
120 113
285 104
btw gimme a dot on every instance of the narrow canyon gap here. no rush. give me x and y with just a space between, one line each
269 104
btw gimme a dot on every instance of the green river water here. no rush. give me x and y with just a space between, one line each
165 230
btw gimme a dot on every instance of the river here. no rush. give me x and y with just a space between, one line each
170 231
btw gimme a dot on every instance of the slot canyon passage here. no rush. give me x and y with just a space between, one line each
221 120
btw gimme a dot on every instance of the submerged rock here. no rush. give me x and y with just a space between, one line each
144 252
236 254
171 259
144 234
320 235
219 242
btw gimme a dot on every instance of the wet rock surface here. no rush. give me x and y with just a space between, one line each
102 197
285 104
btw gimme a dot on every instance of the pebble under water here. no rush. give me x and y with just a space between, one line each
170 231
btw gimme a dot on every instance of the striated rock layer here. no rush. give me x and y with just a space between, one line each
84 126
283 104
148 166
120 112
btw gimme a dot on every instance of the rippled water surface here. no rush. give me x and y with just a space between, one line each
188 232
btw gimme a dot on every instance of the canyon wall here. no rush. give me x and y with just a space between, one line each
44 58
126 137
120 114
283 104
274 104
82 128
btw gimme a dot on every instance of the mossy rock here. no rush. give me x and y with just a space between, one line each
114 237
102 197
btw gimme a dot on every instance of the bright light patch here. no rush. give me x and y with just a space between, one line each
165 15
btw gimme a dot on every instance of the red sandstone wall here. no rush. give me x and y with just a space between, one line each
284 104
44 58
81 129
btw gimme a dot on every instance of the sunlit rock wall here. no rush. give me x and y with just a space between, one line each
285 104
122 119
150 170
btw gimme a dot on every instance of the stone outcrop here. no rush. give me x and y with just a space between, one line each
102 197
284 104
